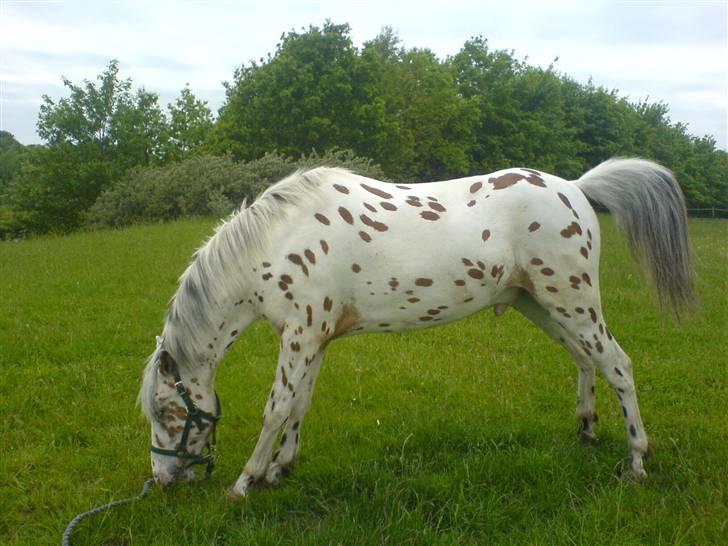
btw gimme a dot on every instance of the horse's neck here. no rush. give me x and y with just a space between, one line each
204 320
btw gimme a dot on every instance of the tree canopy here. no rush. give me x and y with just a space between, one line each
417 116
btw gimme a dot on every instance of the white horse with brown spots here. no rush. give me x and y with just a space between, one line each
326 253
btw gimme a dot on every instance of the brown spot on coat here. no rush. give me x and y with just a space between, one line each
459 282
505 180
593 315
309 315
547 271
536 261
471 203
296 259
377 191
413 201
571 229
328 303
286 279
346 321
564 199
436 206
379 226
475 187
342 189
388 206
485 235
346 215
310 256
586 278
324 246
475 273
355 268
584 252
423 282
534 226
536 180
365 236
521 279
321 218
429 215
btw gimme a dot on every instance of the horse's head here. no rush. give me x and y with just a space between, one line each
183 409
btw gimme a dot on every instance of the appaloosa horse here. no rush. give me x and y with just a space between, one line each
326 253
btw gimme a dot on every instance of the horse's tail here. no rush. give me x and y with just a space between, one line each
649 207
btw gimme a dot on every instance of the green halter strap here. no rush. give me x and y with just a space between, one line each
195 416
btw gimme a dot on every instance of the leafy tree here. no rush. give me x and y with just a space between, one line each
93 136
190 121
298 101
11 152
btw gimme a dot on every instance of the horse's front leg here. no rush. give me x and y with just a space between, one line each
285 457
288 383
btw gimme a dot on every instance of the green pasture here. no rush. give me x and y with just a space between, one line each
463 434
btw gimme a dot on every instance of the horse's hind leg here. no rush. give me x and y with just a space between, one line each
617 368
583 332
585 400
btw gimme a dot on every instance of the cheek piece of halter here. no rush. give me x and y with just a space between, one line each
195 416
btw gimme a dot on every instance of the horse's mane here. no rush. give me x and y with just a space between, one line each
217 273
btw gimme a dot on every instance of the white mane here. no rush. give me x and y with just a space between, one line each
217 271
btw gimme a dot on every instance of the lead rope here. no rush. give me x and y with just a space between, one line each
79 518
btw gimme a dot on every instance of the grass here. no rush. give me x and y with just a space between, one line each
462 434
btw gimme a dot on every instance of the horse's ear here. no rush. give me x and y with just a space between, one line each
167 364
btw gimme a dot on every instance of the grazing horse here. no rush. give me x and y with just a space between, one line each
326 253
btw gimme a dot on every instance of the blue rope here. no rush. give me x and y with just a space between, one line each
75 521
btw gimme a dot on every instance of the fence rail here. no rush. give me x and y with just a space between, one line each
706 212
709 212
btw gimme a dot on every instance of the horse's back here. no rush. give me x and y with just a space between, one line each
409 255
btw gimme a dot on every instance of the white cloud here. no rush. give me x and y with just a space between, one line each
670 51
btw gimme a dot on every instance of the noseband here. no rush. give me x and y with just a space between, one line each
195 416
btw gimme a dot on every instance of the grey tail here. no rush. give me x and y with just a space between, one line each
649 207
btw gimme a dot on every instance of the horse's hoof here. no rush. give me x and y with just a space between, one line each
588 437
273 475
637 475
240 489
234 496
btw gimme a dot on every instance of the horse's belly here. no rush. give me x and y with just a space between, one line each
441 284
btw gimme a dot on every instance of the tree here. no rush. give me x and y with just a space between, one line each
93 137
300 100
190 121
11 152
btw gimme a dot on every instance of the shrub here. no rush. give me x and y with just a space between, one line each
204 186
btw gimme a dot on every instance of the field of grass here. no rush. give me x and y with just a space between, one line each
463 434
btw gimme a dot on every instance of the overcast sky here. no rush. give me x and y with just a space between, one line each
676 52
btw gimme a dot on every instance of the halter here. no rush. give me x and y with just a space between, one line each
194 415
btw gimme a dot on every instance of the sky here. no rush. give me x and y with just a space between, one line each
674 52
